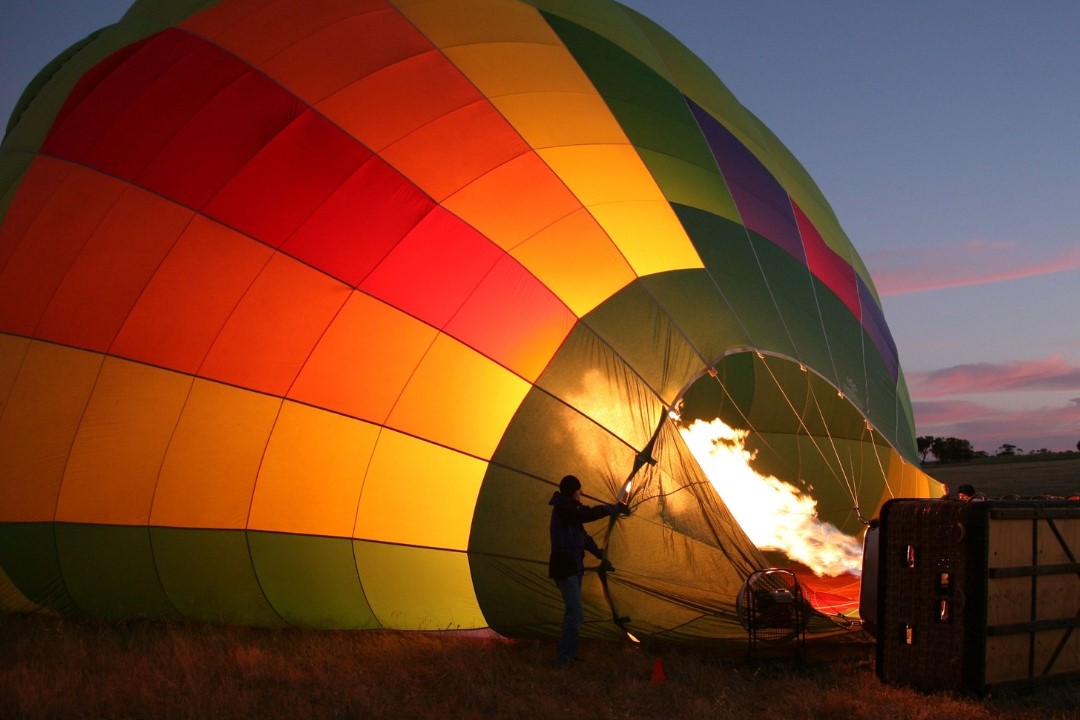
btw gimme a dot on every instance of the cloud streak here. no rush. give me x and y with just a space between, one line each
976 262
988 428
1052 373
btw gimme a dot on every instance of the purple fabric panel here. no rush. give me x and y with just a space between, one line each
762 203
873 321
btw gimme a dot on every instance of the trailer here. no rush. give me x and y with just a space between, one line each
973 595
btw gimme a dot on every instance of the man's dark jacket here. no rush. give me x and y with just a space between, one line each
569 541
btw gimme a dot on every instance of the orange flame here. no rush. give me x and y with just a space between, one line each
772 513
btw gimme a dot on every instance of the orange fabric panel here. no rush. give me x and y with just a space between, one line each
275 326
190 297
496 206
364 359
105 279
577 260
474 397
391 103
455 149
311 477
209 470
120 445
416 493
51 243
38 421
260 29
331 57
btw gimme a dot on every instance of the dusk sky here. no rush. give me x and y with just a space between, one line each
946 137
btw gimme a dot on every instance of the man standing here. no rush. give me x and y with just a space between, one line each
569 541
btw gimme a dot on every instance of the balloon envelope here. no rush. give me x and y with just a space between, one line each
305 309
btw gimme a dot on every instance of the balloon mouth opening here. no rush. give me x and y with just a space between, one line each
766 432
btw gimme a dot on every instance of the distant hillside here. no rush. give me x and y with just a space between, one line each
1025 475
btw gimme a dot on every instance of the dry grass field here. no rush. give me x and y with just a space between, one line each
54 667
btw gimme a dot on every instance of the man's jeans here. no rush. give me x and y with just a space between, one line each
573 618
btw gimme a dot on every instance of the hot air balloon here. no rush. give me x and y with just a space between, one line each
305 308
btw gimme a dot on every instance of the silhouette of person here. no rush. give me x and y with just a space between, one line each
566 567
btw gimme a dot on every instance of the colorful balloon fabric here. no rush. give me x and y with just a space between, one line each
305 308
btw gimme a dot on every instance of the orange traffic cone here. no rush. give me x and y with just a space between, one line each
658 673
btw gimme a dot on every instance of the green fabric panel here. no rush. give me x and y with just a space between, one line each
728 396
582 447
905 421
208 576
509 548
28 555
793 292
12 599
311 581
699 310
650 109
109 570
590 376
845 337
730 260
418 588
684 183
642 334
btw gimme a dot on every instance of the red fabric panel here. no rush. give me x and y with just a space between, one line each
826 265
434 269
514 319
188 74
360 223
288 179
220 139
52 242
107 92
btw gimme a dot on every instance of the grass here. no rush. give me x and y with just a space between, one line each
53 667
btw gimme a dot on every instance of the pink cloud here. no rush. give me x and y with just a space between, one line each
976 262
988 428
1052 373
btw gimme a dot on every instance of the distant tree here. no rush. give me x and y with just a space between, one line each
1007 449
1078 444
926 442
952 449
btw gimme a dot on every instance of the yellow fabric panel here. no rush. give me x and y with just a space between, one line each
554 119
692 185
577 260
500 69
349 373
464 22
618 189
496 206
459 398
418 589
37 424
117 454
649 235
311 477
210 467
416 493
387 105
599 174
